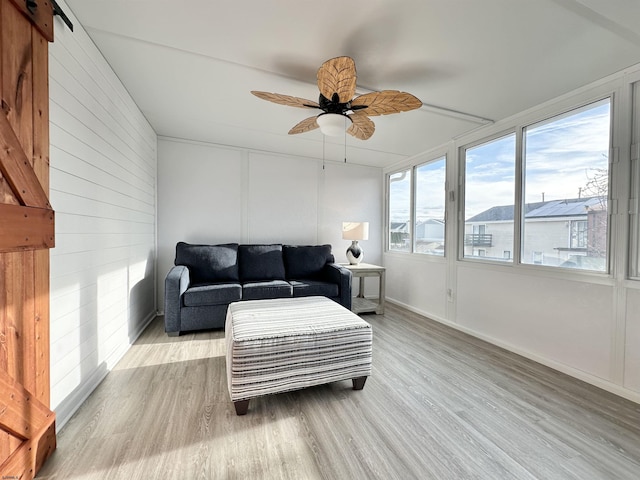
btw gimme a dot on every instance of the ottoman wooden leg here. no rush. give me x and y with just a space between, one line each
358 383
242 406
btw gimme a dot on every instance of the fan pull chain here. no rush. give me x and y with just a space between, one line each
345 139
323 155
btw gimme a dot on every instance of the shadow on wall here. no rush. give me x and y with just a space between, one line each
98 312
166 256
142 302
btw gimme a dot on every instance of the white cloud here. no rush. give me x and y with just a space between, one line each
561 156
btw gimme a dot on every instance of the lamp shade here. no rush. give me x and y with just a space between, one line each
332 124
355 230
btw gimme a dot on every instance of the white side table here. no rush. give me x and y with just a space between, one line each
361 304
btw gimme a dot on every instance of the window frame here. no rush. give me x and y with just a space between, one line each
414 206
388 176
462 194
436 155
559 113
578 234
557 110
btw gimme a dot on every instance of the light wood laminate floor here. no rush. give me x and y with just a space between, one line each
439 405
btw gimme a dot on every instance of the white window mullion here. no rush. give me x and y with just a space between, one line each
518 210
634 221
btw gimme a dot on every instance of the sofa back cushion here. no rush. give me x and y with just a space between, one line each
209 263
306 261
261 262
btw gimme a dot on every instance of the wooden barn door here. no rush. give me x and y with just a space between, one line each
27 425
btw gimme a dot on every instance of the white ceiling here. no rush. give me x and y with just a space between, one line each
190 64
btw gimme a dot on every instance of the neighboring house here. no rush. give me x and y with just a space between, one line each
430 236
399 235
570 233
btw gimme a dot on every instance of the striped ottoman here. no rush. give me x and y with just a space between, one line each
286 344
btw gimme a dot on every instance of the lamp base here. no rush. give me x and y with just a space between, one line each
354 253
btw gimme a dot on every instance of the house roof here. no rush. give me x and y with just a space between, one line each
398 226
430 221
554 208
564 208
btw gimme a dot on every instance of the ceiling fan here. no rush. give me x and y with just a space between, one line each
337 85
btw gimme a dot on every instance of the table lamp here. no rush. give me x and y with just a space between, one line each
355 231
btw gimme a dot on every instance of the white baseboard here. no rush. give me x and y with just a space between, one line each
67 407
611 387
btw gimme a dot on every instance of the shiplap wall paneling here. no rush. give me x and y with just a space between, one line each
103 183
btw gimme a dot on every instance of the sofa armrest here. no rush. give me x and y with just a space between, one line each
175 285
336 273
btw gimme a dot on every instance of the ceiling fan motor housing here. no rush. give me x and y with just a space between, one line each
334 105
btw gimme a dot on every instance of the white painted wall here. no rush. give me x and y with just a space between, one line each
631 347
567 322
417 281
215 194
103 177
581 323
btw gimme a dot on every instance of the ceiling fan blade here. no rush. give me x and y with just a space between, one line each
286 100
386 102
361 127
305 125
338 75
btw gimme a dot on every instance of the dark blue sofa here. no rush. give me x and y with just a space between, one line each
207 278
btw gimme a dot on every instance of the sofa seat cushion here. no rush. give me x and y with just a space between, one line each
212 294
310 288
269 289
209 263
260 262
306 261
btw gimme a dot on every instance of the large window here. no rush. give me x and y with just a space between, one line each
538 195
399 214
430 201
489 199
566 187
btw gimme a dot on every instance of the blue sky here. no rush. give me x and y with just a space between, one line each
561 155
430 193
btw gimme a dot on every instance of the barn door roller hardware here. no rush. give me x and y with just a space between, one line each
58 11
32 5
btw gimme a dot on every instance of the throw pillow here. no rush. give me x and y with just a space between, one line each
209 263
306 261
261 262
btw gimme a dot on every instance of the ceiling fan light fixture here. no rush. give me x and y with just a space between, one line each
332 124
